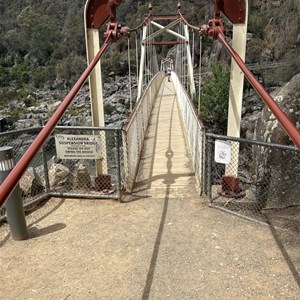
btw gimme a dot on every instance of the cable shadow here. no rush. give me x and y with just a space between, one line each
168 181
155 252
5 239
284 252
53 209
133 197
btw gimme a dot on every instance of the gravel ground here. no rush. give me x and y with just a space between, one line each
146 248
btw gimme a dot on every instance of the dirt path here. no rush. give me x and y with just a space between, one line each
152 248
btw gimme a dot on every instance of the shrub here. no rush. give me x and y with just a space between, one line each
214 99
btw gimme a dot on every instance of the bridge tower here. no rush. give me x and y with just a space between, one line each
96 13
239 18
148 39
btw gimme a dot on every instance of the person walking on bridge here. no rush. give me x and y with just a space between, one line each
169 73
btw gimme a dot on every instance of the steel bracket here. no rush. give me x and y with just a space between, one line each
234 10
98 12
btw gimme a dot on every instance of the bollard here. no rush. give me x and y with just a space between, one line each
14 205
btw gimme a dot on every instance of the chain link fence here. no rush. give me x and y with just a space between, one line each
249 178
73 170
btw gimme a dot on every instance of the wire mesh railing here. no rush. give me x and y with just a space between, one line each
66 165
193 128
135 130
267 176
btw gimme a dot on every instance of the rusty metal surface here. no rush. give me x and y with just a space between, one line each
234 10
98 11
165 17
164 43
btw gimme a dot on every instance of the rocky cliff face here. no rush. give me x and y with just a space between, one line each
45 102
277 170
288 99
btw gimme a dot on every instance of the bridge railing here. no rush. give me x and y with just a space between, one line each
134 131
193 128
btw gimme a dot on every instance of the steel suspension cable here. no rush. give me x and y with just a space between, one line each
136 57
145 61
187 23
200 74
193 53
141 24
129 75
180 55
146 70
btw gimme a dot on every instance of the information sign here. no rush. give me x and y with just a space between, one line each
77 146
222 152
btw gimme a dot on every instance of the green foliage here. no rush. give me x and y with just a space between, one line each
38 37
14 115
42 41
109 109
70 67
256 25
116 62
254 49
6 94
214 99
291 67
4 76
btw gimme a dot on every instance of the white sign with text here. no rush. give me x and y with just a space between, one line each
77 146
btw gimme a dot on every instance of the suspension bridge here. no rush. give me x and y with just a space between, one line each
161 238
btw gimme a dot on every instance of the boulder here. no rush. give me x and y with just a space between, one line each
60 177
31 183
82 178
277 170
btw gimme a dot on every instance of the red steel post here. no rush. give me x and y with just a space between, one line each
15 175
283 119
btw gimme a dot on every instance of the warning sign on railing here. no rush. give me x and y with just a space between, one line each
222 152
77 146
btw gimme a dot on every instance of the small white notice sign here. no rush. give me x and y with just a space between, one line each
77 146
222 152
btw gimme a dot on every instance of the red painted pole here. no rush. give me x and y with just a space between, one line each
283 119
15 175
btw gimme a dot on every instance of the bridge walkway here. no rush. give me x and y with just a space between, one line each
165 161
162 242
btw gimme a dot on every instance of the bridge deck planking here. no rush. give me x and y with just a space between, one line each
165 161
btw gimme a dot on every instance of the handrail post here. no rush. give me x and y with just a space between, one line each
118 154
209 168
14 205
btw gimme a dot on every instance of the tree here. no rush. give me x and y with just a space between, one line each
214 99
38 33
